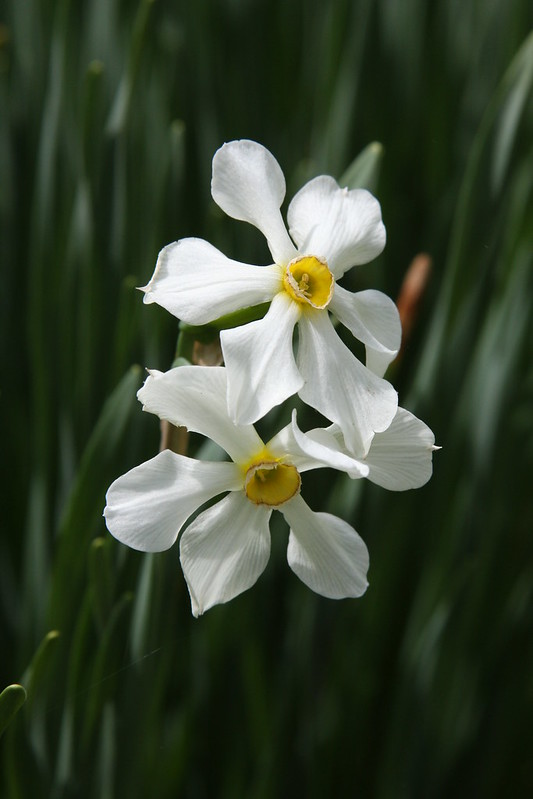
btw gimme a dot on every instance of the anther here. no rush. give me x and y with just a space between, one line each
303 284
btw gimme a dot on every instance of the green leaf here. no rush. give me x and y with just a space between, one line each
121 107
35 672
106 666
107 756
11 700
101 578
141 622
363 172
39 678
520 80
85 504
460 282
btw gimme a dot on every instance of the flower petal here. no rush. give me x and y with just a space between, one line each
285 447
373 318
401 457
325 552
340 387
195 397
197 283
342 226
224 551
377 361
248 184
260 361
148 505
321 445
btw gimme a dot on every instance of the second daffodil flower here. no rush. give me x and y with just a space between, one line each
226 548
331 230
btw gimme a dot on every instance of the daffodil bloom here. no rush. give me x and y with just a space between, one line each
226 548
331 230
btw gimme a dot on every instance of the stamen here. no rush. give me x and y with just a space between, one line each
304 284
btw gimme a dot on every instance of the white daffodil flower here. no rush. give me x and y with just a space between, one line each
331 230
226 548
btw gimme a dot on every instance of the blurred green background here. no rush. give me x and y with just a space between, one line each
111 111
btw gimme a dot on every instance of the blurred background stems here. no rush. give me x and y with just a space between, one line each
111 113
498 130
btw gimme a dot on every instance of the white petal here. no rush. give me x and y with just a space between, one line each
325 552
401 457
248 184
321 445
260 361
195 397
197 283
378 362
148 505
224 551
342 226
340 387
285 446
373 318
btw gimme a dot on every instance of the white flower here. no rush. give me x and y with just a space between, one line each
333 230
226 548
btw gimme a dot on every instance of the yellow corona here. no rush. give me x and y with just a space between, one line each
307 280
270 482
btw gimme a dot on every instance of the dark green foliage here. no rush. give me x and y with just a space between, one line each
111 113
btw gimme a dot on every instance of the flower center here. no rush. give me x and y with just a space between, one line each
308 280
271 483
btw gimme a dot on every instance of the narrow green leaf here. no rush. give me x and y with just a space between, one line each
101 578
107 754
76 667
121 105
100 449
177 151
39 678
105 666
92 95
85 504
363 172
457 280
345 496
520 81
11 700
35 673
36 561
141 615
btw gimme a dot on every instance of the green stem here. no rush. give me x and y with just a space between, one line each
188 334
